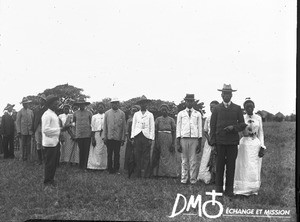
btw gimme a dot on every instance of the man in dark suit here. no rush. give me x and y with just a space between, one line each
226 121
8 132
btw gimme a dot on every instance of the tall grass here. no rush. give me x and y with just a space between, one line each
97 195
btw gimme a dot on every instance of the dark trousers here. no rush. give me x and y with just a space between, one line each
142 149
50 163
226 155
8 146
26 146
113 149
84 150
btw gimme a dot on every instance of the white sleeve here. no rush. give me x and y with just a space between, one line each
261 133
152 127
200 125
206 125
93 123
178 125
133 125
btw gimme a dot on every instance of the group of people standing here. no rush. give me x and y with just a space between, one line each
94 141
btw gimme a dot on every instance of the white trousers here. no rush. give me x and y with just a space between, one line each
188 159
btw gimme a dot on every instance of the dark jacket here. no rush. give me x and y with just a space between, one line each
38 117
223 117
7 125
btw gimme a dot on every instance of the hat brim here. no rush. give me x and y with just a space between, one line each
24 102
227 90
189 99
84 103
7 107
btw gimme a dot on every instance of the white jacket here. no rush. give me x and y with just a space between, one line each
50 129
189 127
143 123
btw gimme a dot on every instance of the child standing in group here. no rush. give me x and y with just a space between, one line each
207 169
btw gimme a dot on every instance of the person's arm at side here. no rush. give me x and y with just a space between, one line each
173 130
105 128
32 121
198 149
261 139
213 127
123 128
3 125
152 127
93 128
18 123
178 132
133 127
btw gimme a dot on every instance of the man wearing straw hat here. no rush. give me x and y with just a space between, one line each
50 139
37 126
114 135
82 119
226 121
189 138
24 124
8 132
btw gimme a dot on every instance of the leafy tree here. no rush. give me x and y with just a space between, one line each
66 93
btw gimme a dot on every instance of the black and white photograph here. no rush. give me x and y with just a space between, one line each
148 110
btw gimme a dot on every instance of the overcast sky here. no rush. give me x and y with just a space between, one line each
160 49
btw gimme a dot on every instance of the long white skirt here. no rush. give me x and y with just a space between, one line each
248 167
98 154
204 173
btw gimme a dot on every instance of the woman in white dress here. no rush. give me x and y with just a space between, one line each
69 149
98 151
207 164
251 150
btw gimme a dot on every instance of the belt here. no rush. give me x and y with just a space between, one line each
164 131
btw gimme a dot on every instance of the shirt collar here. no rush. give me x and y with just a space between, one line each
146 112
187 109
227 103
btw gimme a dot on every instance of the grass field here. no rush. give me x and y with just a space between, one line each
99 196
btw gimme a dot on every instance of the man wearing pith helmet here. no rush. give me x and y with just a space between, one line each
189 138
226 121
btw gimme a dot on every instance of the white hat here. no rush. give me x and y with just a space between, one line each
115 100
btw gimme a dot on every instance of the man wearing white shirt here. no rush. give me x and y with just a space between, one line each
50 139
189 137
142 134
